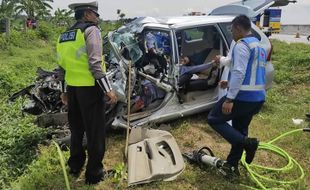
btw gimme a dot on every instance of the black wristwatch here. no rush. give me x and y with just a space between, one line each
228 100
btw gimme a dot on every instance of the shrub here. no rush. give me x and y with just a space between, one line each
4 43
22 39
30 38
18 141
45 31
48 31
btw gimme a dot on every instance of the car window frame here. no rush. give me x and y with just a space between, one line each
176 49
202 25
168 31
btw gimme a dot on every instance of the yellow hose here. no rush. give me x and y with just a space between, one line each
291 164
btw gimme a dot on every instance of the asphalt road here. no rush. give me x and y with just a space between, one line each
290 38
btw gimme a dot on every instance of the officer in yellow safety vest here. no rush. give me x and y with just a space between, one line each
84 85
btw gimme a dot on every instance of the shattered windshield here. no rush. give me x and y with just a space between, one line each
109 56
128 46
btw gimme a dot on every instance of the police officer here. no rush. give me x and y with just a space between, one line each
84 85
245 97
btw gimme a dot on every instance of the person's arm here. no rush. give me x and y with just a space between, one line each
94 51
63 86
237 72
225 61
61 79
241 59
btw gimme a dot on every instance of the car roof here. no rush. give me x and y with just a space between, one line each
139 24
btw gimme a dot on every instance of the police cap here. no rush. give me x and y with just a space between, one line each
93 6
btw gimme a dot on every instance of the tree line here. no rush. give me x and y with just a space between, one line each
34 9
31 8
40 10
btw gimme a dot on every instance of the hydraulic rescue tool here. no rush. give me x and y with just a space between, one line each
204 156
264 180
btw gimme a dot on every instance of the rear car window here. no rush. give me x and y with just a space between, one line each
226 29
200 44
193 34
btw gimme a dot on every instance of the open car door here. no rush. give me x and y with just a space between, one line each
250 8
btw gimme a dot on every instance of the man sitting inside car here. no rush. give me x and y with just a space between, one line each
149 93
187 72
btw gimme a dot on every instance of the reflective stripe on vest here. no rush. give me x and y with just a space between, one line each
255 78
253 85
72 57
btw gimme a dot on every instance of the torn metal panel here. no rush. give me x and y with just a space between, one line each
43 96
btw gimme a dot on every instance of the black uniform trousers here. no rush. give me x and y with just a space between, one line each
86 113
241 116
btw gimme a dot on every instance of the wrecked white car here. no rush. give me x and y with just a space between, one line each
172 73
163 88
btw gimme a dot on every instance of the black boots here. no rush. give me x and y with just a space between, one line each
229 172
94 179
74 172
102 175
250 147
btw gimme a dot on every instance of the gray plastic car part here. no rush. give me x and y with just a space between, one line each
153 155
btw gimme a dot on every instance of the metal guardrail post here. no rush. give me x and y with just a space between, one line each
7 27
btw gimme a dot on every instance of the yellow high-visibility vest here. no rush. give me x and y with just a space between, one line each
72 57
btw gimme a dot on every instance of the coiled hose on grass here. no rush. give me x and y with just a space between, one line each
291 164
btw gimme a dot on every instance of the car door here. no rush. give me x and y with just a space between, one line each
200 44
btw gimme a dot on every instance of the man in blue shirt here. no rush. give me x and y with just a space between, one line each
245 97
148 94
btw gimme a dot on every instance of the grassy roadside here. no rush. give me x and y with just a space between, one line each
18 135
289 98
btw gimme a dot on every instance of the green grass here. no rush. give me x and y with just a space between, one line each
20 56
18 135
292 63
24 165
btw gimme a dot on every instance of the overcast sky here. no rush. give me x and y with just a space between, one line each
298 13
